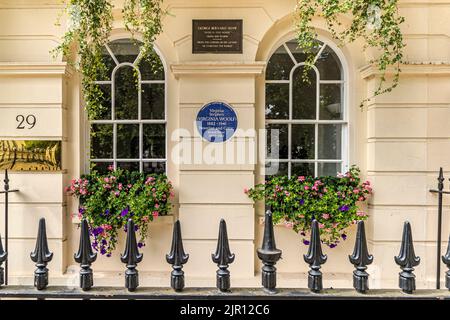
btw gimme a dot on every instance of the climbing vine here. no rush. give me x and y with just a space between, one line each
89 25
377 22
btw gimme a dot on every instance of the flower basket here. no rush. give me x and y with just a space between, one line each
108 200
333 201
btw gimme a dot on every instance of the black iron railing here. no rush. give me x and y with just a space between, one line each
268 253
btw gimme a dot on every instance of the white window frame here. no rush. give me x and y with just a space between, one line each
344 102
114 160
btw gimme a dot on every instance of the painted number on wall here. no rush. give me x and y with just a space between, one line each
26 122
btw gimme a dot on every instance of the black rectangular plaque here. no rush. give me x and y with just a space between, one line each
216 36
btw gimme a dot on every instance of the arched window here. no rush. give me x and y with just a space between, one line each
131 133
305 120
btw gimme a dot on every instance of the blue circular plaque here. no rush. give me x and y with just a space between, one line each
216 121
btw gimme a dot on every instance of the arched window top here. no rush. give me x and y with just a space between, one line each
122 52
289 56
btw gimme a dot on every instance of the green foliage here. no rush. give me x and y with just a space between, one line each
377 22
145 16
108 200
89 27
332 201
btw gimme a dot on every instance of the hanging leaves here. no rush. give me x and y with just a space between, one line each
88 29
376 21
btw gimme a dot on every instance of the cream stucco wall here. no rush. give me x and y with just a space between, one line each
399 140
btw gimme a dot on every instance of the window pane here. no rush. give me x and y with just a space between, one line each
329 65
154 167
277 141
126 94
154 141
128 141
279 65
330 102
152 101
277 101
329 169
330 136
125 50
302 169
298 53
101 141
276 169
304 95
106 103
151 70
101 167
130 166
303 141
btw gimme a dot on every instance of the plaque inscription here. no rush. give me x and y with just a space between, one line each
216 36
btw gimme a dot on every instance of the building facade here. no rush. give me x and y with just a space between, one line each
399 140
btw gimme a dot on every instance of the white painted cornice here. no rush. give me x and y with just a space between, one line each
35 68
410 68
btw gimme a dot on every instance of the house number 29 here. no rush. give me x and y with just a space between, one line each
26 122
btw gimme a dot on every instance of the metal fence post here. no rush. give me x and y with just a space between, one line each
315 258
446 260
223 257
269 255
7 191
41 256
177 257
407 260
131 257
3 258
360 259
85 256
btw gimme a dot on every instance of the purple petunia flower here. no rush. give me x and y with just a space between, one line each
104 242
140 245
108 255
124 212
107 212
81 210
136 228
102 250
332 246
302 233
97 231
305 242
344 208
344 236
301 201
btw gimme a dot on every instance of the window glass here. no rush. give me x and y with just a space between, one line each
305 117
277 102
280 65
130 132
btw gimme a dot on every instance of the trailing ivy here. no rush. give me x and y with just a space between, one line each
145 17
376 21
88 30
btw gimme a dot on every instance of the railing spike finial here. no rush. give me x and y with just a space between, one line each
269 255
223 257
3 257
85 257
360 259
41 256
6 180
177 257
446 260
441 179
131 257
315 258
407 260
